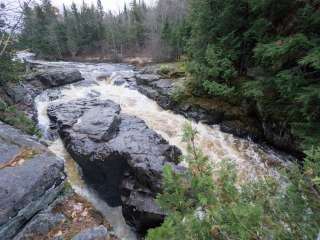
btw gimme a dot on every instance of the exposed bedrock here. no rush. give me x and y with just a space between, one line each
31 178
120 156
35 83
243 120
22 94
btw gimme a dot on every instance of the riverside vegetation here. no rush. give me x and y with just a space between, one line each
200 208
264 53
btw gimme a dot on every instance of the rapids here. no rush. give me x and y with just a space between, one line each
250 159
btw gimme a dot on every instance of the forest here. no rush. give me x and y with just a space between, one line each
261 54
89 30
238 51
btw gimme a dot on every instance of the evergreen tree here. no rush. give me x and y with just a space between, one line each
252 50
204 207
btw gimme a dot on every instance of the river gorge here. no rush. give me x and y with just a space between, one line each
112 92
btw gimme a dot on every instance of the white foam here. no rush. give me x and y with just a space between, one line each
249 157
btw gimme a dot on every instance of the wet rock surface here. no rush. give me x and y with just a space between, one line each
120 156
40 226
56 77
37 82
97 233
31 178
22 94
244 121
161 89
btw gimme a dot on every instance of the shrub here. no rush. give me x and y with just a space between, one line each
179 94
10 70
217 89
18 119
200 208
164 70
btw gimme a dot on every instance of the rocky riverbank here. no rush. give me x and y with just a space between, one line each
31 178
22 94
34 200
121 157
243 120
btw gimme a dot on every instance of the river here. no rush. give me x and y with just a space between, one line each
250 158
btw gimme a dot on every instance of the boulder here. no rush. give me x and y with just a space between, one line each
164 86
96 233
18 92
120 156
139 207
56 77
40 226
31 177
4 98
145 79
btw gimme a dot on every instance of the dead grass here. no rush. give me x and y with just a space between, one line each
20 158
80 215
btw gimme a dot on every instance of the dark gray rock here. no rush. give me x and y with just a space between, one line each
239 129
40 226
119 81
200 114
145 79
120 156
31 185
18 93
57 77
164 86
4 98
97 233
161 91
23 93
280 136
125 78
163 100
137 199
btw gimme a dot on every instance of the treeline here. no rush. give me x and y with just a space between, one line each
89 30
263 54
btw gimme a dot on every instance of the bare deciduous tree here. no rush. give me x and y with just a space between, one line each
11 14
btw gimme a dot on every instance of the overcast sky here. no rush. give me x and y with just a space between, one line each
113 5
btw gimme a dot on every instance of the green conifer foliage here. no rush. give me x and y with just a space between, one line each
263 51
206 203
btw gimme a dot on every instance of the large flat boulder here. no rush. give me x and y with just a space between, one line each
31 177
120 156
24 92
56 77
